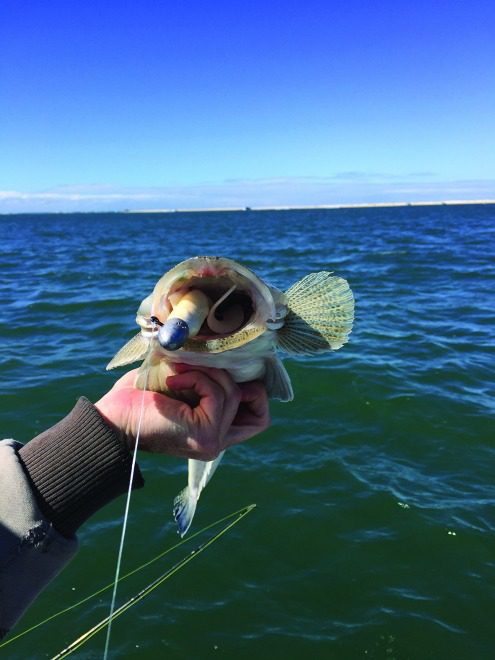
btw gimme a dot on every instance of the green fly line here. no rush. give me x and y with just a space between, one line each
236 514
76 644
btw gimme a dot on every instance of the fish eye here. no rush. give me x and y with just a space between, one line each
156 321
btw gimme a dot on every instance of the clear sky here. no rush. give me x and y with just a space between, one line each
140 104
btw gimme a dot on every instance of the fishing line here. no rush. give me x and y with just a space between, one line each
76 644
162 554
126 511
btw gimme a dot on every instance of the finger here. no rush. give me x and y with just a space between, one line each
253 415
247 417
182 367
127 380
211 395
240 433
254 400
173 427
231 393
220 376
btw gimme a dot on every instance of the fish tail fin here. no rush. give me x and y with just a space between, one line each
320 315
200 473
184 510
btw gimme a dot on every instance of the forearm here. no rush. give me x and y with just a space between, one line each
48 488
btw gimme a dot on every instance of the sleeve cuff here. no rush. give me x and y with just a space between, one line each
77 467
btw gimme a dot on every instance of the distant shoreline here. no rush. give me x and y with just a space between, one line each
281 207
297 207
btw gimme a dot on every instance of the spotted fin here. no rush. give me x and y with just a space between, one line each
320 316
134 350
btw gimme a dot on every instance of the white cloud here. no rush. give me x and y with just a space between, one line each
69 196
341 188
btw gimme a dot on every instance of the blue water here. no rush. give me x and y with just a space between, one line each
374 534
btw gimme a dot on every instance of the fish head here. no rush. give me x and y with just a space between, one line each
241 307
235 321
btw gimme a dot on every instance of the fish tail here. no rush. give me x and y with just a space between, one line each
184 510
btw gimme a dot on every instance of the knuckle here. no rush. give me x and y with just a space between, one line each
208 455
209 449
215 388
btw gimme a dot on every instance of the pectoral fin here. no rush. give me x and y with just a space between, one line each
277 381
320 316
134 350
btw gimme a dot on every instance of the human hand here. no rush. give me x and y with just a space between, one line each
227 413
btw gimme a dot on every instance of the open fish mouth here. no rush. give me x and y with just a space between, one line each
216 298
233 307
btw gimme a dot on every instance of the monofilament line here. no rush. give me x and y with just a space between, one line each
126 516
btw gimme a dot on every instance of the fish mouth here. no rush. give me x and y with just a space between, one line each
240 302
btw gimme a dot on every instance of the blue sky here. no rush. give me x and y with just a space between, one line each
112 105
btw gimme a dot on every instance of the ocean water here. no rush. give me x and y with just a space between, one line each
374 532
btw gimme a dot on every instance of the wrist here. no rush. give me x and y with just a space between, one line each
76 467
107 412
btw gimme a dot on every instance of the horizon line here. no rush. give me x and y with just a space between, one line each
282 207
302 207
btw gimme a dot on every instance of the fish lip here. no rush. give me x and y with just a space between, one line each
204 273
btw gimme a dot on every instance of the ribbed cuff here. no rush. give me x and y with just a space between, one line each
77 467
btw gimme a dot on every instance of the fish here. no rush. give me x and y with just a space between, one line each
215 312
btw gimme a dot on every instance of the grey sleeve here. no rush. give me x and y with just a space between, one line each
32 552
48 488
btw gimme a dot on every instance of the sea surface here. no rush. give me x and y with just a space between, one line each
374 531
